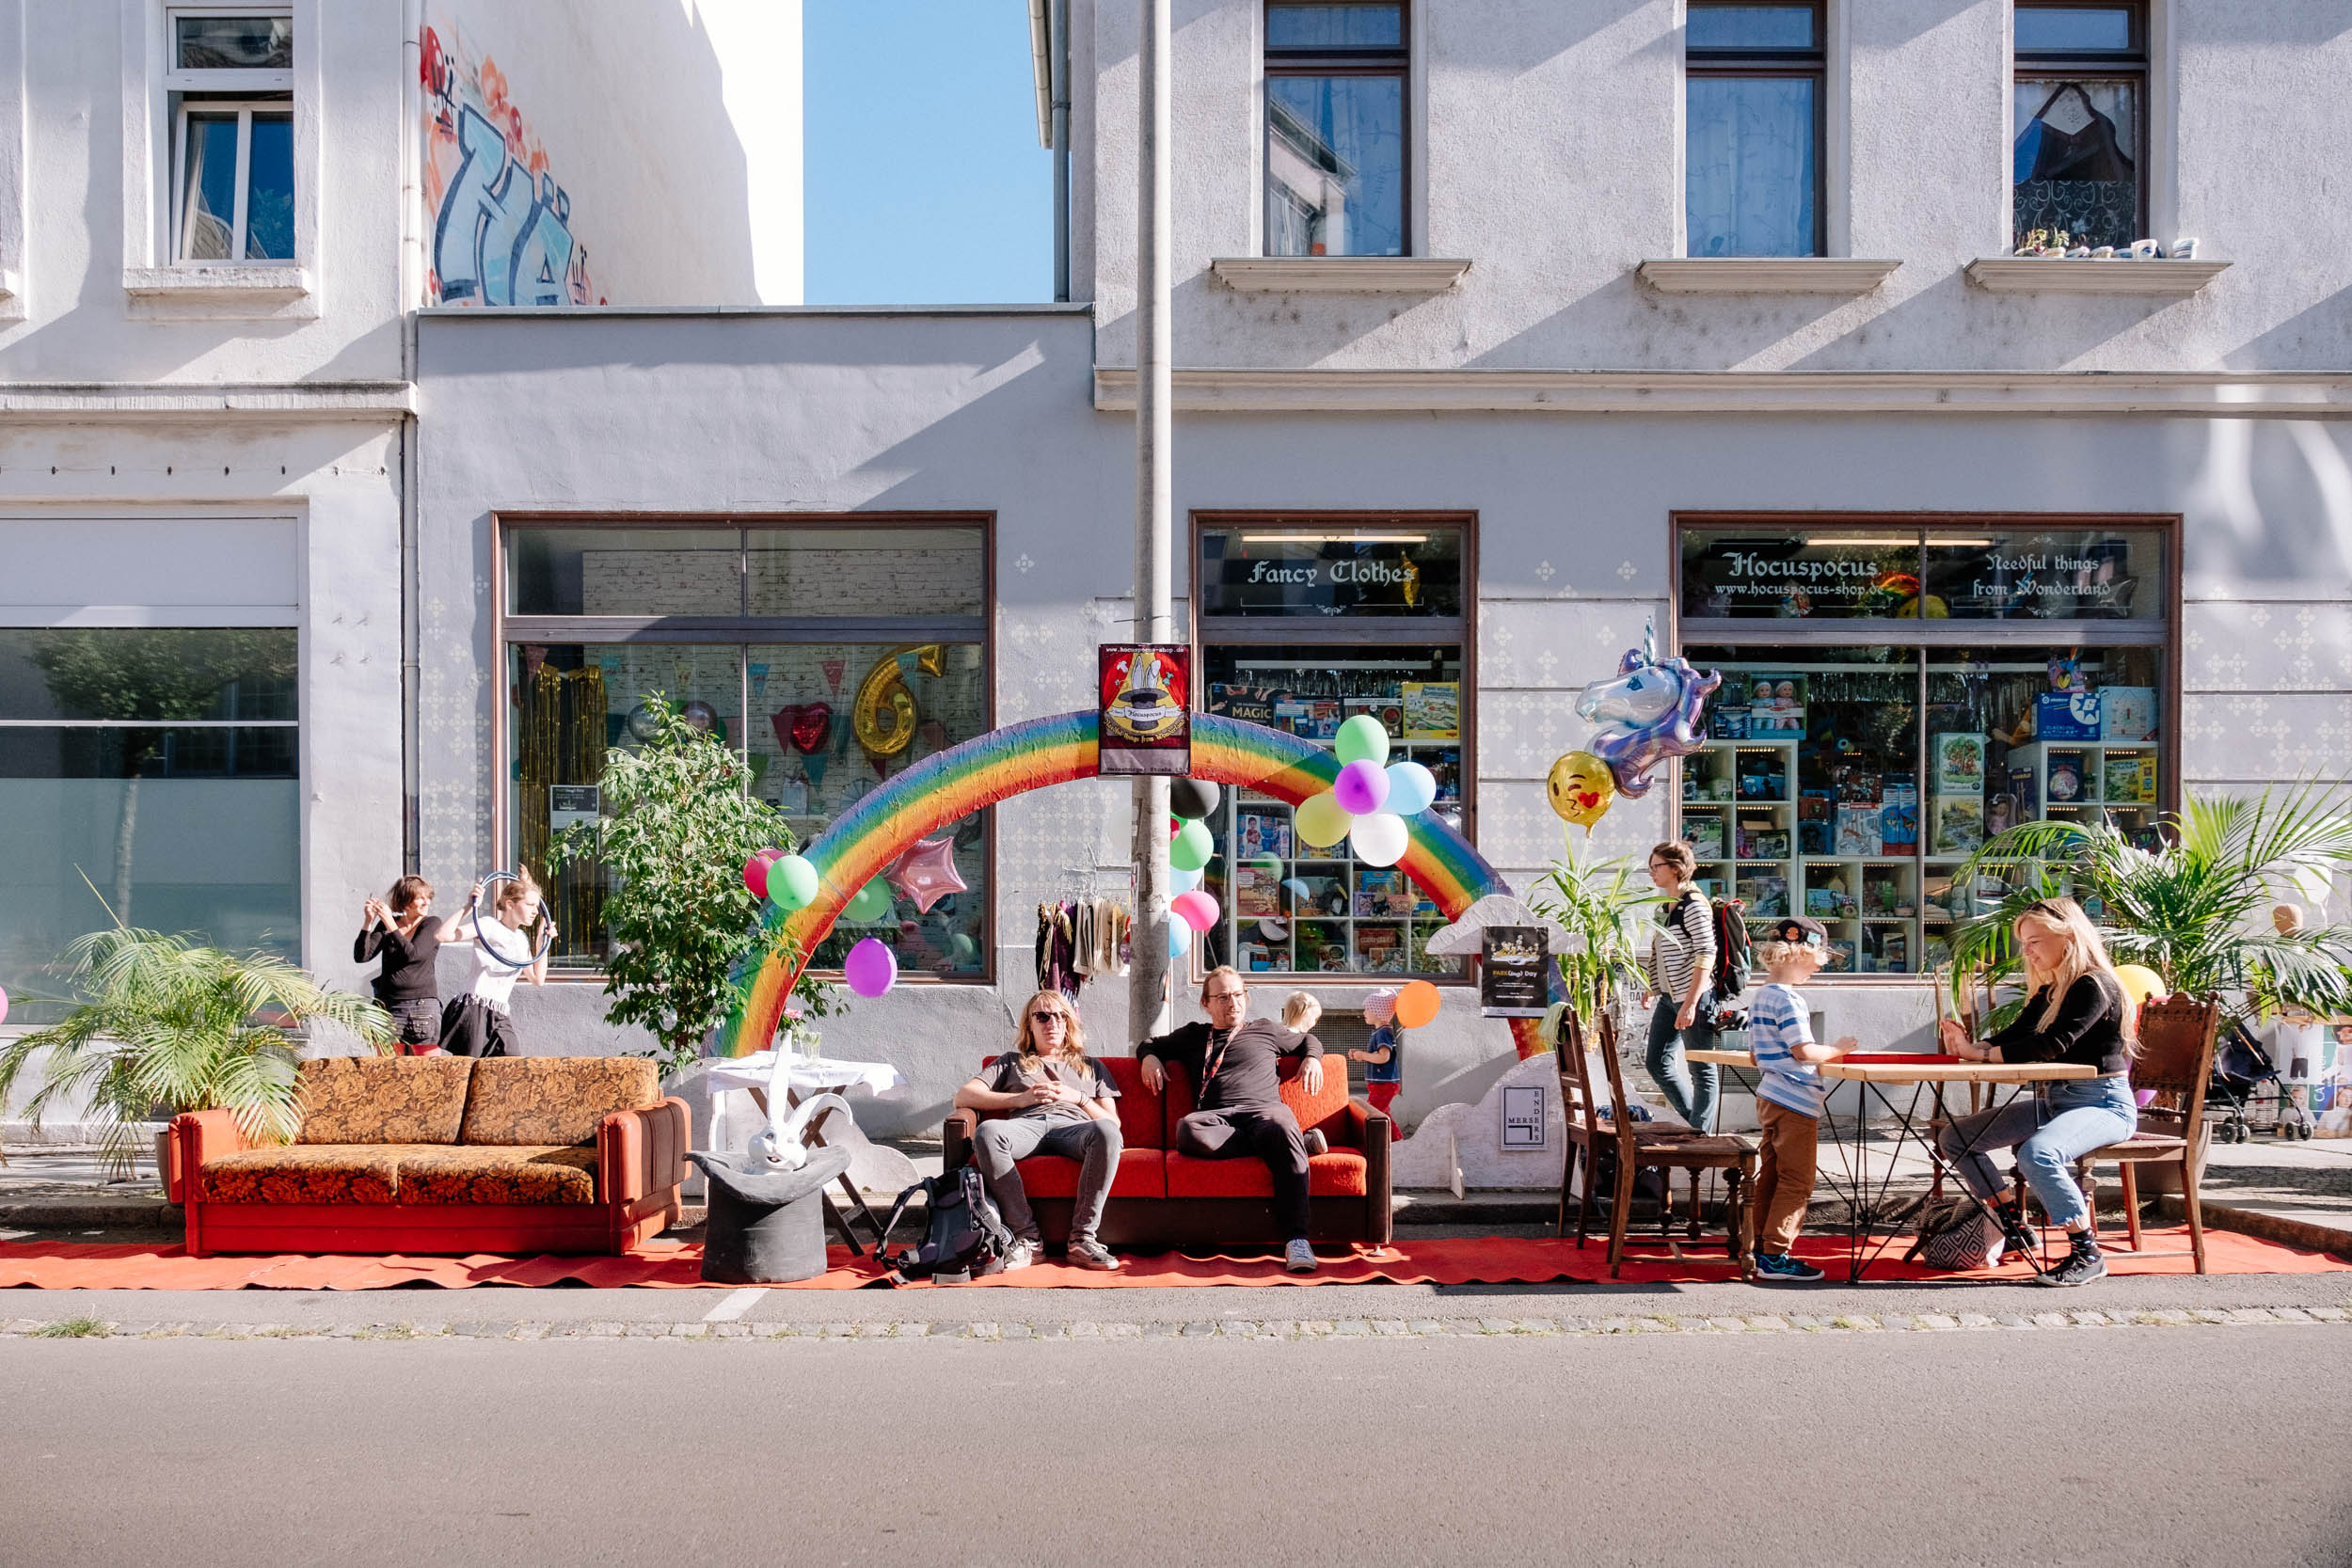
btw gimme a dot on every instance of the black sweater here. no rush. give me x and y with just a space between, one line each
1249 1077
407 960
2089 1028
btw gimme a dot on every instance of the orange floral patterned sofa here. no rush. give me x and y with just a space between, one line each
442 1155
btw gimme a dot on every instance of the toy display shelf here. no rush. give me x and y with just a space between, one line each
2091 795
1363 944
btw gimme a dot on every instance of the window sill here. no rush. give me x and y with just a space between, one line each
2045 274
222 292
1340 274
1765 275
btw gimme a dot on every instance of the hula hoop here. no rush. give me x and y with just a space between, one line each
547 931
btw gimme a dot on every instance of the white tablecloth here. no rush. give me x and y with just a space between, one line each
809 1074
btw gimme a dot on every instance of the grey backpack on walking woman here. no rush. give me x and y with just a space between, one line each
966 1236
1956 1235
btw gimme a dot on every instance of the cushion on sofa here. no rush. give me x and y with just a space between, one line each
1313 1111
1142 1118
548 1100
1337 1174
499 1173
383 1100
1141 1173
307 1173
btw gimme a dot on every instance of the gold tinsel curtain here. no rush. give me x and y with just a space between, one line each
562 743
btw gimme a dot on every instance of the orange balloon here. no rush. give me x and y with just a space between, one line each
1416 1003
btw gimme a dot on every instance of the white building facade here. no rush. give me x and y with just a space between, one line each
216 222
1505 332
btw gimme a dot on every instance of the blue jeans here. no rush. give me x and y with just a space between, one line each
2050 1131
1690 1087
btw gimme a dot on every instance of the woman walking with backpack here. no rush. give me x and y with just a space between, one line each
1681 966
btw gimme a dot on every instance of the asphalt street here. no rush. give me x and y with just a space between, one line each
2121 1444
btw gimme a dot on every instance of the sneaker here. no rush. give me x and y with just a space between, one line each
1091 1254
1779 1267
1316 1142
2081 1267
1300 1257
1018 1256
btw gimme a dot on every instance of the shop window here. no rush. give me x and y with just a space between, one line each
231 82
1847 774
765 637
150 775
1753 129
1335 116
1304 624
2081 117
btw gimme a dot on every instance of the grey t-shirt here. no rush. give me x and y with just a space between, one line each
1085 1075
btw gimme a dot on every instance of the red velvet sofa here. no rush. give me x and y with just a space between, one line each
442 1155
1161 1199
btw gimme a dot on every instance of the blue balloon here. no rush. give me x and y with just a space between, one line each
1179 939
1182 881
1296 887
1412 788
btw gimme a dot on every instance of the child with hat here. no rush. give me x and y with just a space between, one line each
1789 1092
1382 1055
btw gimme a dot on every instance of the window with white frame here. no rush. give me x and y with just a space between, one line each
230 77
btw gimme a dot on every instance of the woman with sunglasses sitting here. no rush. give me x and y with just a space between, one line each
2079 1012
1059 1103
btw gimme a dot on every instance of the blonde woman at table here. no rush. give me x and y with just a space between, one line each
1681 967
1059 1103
2079 1012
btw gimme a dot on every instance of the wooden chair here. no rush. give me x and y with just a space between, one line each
1584 1121
1639 1145
2175 1059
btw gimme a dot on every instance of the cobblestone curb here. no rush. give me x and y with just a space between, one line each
1269 1329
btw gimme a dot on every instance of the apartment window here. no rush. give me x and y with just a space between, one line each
1753 138
2082 123
1306 622
1335 76
232 86
1894 695
833 656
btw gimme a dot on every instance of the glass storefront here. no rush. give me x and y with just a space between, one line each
1847 777
767 638
1305 624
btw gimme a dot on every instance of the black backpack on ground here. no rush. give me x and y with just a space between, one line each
966 1236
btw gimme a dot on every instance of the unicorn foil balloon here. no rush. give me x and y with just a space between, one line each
1648 711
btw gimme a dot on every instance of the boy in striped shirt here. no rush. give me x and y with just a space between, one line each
1788 1093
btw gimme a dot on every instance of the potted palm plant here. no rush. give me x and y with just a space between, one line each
164 1025
2195 910
1598 903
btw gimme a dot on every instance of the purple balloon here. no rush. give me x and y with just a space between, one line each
871 967
1361 790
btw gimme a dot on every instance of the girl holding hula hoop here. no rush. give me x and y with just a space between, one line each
395 929
478 1022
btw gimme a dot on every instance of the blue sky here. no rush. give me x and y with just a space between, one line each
925 182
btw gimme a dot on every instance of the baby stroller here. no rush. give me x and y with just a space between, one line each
2240 1069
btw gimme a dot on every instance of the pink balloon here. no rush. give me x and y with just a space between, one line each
871 967
1361 790
755 875
1195 908
4 1005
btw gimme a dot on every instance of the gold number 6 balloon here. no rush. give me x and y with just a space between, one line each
883 715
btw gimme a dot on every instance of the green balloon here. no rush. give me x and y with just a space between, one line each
873 901
1192 847
1362 739
792 883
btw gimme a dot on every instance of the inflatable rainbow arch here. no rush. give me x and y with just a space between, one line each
869 838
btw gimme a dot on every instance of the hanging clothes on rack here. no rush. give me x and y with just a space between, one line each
1057 955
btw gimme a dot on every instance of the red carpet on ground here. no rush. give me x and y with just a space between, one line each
676 1265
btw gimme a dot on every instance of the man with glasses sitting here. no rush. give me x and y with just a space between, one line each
1236 1061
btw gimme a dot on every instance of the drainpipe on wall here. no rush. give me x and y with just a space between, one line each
1148 999
412 280
1059 44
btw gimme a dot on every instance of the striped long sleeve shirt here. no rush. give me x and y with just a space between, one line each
1683 944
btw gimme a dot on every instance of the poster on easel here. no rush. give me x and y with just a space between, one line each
1513 964
1145 707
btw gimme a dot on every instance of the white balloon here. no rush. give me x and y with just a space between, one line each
1379 839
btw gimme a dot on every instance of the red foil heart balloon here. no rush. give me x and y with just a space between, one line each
804 727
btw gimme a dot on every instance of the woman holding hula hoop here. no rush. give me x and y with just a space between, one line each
478 1022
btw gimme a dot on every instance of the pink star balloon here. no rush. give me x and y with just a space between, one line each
927 872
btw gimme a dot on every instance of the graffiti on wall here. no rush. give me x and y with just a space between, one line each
501 226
